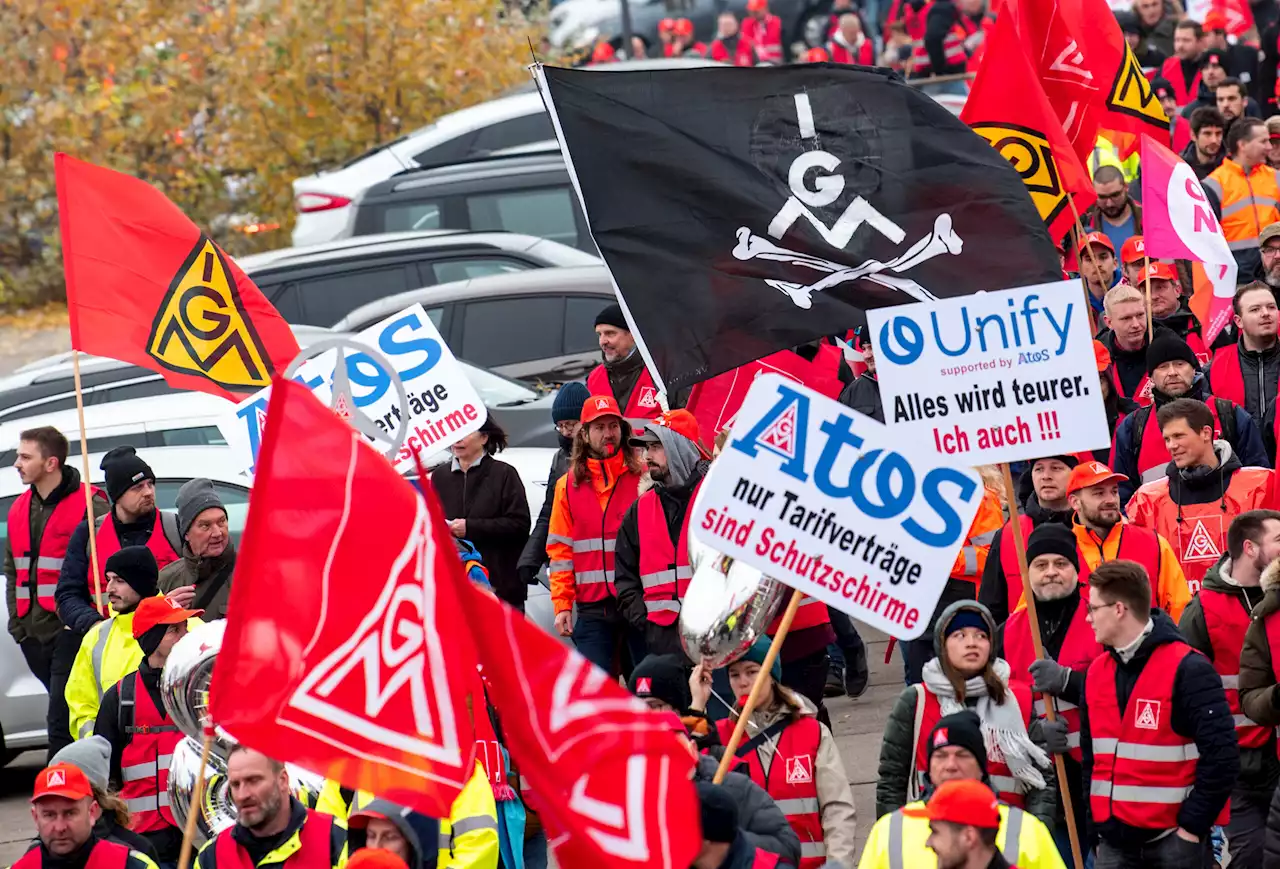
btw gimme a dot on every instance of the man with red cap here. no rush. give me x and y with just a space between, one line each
764 31
964 819
602 483
683 42
64 812
1168 308
622 374
1133 254
666 32
133 719
1096 260
651 561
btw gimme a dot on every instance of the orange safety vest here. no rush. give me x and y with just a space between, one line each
1227 622
643 403
1249 203
998 772
105 855
1142 769
58 528
109 544
1079 650
766 36
1153 455
1136 544
313 847
792 781
595 532
664 565
145 760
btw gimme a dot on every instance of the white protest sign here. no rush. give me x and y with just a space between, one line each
443 405
820 497
993 377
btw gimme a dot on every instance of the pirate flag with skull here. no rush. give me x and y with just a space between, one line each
745 211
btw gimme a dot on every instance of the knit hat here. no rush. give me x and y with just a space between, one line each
758 651
194 498
124 470
1168 347
719 813
1069 461
964 611
92 756
1053 539
612 316
1215 56
568 402
962 729
964 619
136 566
1161 87
663 677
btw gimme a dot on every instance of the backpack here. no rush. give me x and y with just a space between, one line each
1226 418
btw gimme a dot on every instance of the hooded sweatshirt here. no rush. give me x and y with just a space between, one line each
420 832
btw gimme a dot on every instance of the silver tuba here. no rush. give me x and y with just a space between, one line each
727 607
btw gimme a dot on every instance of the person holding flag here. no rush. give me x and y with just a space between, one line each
622 374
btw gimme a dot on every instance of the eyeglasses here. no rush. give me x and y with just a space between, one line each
1121 194
566 427
1093 609
1271 250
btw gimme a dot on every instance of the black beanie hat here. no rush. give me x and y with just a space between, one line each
612 316
663 677
136 566
150 639
963 729
1167 347
719 813
1052 538
124 470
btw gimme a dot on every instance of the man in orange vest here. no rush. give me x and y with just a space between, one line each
601 484
1215 623
623 373
1158 745
1205 488
133 719
764 31
651 561
1248 371
1244 191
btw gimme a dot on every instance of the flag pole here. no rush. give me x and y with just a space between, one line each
757 687
1146 279
88 492
1020 549
197 796
1084 282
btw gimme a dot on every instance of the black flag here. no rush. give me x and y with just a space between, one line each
744 211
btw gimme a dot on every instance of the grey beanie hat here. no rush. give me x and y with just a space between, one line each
92 756
194 498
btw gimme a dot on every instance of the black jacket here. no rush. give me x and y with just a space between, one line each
1199 711
863 395
624 374
760 820
491 498
742 855
626 561
534 555
1202 170
1130 365
1260 371
994 589
943 15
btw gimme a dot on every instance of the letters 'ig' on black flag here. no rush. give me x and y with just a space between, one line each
744 211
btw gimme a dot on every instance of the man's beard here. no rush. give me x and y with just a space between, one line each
1115 211
606 451
1053 592
659 475
1097 521
269 809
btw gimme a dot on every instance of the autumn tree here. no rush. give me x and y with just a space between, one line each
221 105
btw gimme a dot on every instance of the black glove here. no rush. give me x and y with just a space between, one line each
1055 735
528 575
1048 676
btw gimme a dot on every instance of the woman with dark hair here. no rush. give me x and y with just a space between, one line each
485 503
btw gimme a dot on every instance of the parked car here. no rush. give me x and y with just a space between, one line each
526 193
321 284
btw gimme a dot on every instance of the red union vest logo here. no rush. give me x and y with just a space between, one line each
55 779
800 769
1201 543
648 397
940 737
1146 714
394 660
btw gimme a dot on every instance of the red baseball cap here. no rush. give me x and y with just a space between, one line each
159 611
666 25
597 406
62 780
1215 20
1097 238
1133 249
1159 272
1088 474
684 27
757 5
967 802
679 421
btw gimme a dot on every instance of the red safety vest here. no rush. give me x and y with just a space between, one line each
1141 395
766 36
643 403
313 846
1227 621
1228 376
765 860
595 532
106 855
109 544
921 66
144 762
812 613
792 781
1153 455
1142 769
744 54
1079 649
1136 544
998 772
866 53
53 549
1183 91
664 565
1009 559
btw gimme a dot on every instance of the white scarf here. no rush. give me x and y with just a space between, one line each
1003 732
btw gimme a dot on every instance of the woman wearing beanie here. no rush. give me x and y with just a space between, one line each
566 414
794 757
485 503
966 674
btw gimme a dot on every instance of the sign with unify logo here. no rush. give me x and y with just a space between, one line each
994 377
399 384
823 499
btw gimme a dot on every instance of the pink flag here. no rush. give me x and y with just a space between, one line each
1178 223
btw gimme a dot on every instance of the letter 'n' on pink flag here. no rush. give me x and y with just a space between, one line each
1178 223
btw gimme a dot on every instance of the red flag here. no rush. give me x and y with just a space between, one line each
1125 101
145 286
715 402
1007 108
344 651
609 779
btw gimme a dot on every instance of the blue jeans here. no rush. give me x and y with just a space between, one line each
535 851
600 639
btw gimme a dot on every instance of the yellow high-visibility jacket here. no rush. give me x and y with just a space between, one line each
898 840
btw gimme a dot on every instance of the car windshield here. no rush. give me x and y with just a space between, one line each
496 390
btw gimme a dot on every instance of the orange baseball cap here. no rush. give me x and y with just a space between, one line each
1215 20
1101 356
1133 249
666 25
1088 474
967 802
1159 272
684 27
757 5
603 53
816 55
62 780
597 406
159 611
679 421
1097 238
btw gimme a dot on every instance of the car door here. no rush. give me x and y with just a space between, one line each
519 336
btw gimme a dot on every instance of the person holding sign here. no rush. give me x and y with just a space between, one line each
967 674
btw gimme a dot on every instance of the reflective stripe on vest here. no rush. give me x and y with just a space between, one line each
309 848
1010 828
664 564
1227 621
1141 545
812 613
145 759
595 534
768 44
109 544
1248 202
998 772
58 528
1142 769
